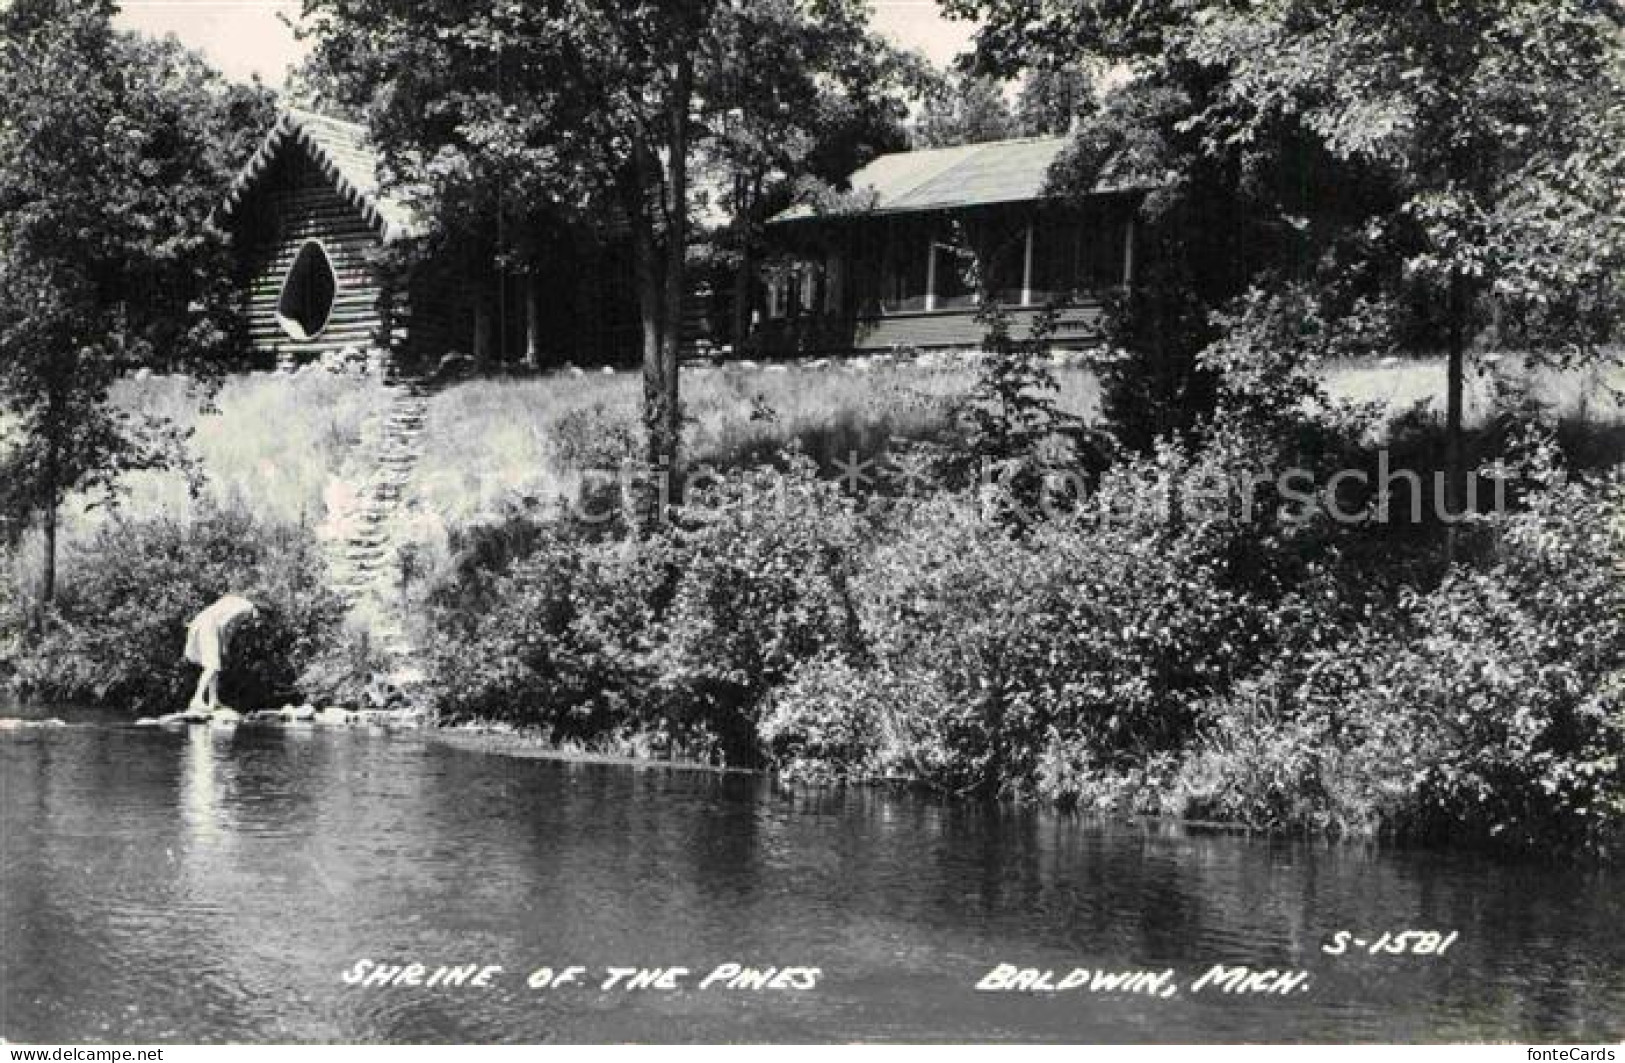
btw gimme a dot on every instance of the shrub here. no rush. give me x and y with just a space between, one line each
349 670
1014 426
1106 628
554 640
1486 710
118 629
763 563
1153 386
599 436
836 721
13 618
1294 750
824 724
1513 675
687 628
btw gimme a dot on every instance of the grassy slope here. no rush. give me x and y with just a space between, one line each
1597 396
277 444
268 444
535 436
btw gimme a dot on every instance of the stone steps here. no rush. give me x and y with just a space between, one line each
360 564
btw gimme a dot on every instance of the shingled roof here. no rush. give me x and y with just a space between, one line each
973 175
341 150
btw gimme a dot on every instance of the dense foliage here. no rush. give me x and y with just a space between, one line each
684 630
1487 709
114 151
118 628
1157 643
512 124
1152 618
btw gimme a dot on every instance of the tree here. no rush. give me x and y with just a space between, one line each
114 150
582 110
1479 140
964 108
811 100
1053 98
1483 117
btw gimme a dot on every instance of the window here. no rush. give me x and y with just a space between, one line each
902 276
778 295
807 296
792 289
955 275
834 269
1079 258
308 290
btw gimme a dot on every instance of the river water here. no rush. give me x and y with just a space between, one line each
211 885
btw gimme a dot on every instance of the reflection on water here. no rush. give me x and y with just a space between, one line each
214 884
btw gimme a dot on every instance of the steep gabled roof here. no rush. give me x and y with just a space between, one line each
973 175
341 151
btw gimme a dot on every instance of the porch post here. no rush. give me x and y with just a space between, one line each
1128 253
1027 269
482 329
533 321
931 273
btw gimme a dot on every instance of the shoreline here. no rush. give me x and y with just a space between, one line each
497 740
523 745
528 745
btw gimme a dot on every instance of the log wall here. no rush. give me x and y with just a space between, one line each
298 204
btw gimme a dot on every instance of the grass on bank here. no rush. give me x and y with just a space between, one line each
269 446
278 446
1095 664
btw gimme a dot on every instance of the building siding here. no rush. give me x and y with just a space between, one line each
300 204
1075 326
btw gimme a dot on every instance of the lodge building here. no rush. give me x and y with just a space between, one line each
930 230
312 229
901 264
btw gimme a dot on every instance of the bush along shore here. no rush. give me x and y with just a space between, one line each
1201 666
1031 613
1010 606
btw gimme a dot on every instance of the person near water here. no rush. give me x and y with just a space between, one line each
208 639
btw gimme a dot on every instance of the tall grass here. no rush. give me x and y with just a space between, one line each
276 445
1594 396
269 446
491 442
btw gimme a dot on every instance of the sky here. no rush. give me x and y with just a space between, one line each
247 37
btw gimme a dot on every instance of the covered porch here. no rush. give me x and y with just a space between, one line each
919 279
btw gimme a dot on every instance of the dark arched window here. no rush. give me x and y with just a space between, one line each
307 295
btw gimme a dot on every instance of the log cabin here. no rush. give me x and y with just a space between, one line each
313 228
904 260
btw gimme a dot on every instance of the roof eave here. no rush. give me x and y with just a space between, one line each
288 127
792 215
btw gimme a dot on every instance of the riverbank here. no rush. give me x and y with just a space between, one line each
132 859
506 741
1137 642
500 740
286 447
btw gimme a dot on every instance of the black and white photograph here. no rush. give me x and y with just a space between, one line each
812 522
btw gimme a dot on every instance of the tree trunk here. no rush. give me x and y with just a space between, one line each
482 329
661 280
747 197
49 515
669 408
48 560
1454 472
742 290
643 496
533 321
